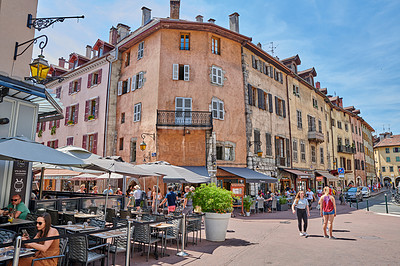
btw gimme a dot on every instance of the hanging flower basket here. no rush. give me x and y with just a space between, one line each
40 133
70 122
53 130
91 117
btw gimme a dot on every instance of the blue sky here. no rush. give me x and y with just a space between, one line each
353 45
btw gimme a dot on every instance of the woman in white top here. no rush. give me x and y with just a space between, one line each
303 211
156 196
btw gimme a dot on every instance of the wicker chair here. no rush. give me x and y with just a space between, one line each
110 215
55 218
80 252
142 235
31 217
119 243
7 236
124 213
96 223
194 226
260 203
173 232
69 217
274 205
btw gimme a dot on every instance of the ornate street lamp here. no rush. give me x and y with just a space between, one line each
143 145
259 143
39 68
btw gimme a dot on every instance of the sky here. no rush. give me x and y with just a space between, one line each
353 45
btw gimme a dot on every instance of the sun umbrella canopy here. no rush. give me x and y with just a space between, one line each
22 148
85 176
115 166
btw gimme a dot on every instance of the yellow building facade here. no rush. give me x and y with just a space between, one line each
387 159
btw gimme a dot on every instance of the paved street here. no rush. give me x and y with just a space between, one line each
377 204
364 238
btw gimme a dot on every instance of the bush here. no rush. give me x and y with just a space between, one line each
282 201
213 199
247 201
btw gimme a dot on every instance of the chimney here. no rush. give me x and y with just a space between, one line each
113 39
318 85
88 51
174 9
211 20
199 18
61 62
123 31
259 45
234 22
146 15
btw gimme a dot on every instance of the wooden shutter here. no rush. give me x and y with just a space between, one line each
79 84
260 97
133 85
50 122
119 90
95 135
70 88
263 68
99 76
271 72
276 105
139 116
284 108
58 123
175 71
37 127
128 85
48 144
140 80
67 114
219 76
84 142
253 60
281 77
186 70
89 80
56 144
268 144
76 113
96 110
250 94
277 149
87 108
221 110
271 109
287 152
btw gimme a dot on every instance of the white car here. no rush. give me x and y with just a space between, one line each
366 192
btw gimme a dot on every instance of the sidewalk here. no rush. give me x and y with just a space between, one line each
273 238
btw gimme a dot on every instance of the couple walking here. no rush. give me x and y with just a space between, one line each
327 209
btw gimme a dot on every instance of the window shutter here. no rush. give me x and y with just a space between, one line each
76 113
261 65
260 98
271 72
214 108
253 60
119 88
70 88
95 143
87 106
287 153
48 144
276 105
37 127
219 76
67 114
50 122
263 68
284 108
58 123
96 111
276 148
89 80
250 94
79 84
139 111
133 87
43 126
84 142
175 71
275 74
56 144
99 76
186 72
221 110
140 81
281 77
128 85
271 109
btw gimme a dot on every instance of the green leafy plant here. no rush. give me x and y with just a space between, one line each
282 201
213 199
53 130
70 122
40 133
247 201
91 117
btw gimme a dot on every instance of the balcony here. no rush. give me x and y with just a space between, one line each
346 149
184 119
281 161
315 136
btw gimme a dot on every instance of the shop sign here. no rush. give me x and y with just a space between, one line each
19 179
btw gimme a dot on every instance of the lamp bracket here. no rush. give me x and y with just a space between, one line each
47 80
255 142
42 23
152 135
42 45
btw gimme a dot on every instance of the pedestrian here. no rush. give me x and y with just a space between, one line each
310 198
328 211
109 191
138 195
303 212
171 197
188 202
131 201
82 189
95 190
157 196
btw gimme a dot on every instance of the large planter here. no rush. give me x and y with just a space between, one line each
284 207
216 225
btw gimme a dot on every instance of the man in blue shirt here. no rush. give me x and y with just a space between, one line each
171 198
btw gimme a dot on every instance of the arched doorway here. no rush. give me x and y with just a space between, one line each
386 181
397 181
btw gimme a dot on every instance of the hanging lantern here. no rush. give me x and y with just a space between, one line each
259 152
143 146
39 68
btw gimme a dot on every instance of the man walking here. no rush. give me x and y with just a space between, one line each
171 197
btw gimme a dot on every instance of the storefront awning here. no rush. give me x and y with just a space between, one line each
327 175
299 174
200 170
250 175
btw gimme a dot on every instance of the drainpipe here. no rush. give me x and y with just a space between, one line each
107 107
333 145
290 127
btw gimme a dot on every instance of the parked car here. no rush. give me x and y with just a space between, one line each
366 192
354 193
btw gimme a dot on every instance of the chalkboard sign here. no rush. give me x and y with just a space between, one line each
19 179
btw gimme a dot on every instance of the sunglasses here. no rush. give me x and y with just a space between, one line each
14 199
39 223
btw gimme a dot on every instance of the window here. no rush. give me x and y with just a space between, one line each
133 151
348 165
121 144
53 144
296 91
137 112
127 59
228 153
339 140
321 154
383 169
217 107
215 45
315 103
319 126
185 41
396 150
311 123
58 92
352 128
280 107
89 142
140 51
280 151
313 154
100 51
70 141
225 151
71 114
92 109
397 158
123 86
299 120
75 86
180 72
333 122
388 159
268 142
362 165
295 151
138 81
356 130
256 141
220 152
387 150
302 150
391 168
327 136
262 99
339 124
346 127
122 118
217 76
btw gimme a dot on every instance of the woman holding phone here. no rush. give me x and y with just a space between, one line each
46 248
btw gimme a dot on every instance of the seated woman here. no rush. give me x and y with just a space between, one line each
44 249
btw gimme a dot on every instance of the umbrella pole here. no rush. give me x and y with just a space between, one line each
108 185
41 183
158 191
123 191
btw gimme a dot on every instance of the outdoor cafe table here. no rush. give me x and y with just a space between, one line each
76 227
16 223
162 227
8 253
109 234
80 215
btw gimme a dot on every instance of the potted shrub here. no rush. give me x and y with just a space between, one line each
40 133
284 204
216 203
91 117
247 201
70 122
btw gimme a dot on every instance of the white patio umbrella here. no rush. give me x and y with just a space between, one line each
85 176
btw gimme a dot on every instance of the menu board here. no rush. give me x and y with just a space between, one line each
238 190
19 179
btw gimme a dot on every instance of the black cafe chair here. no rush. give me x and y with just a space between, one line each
7 236
79 251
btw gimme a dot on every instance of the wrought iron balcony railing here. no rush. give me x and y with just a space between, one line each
346 149
184 118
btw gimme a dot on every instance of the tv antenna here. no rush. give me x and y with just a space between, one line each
389 128
272 48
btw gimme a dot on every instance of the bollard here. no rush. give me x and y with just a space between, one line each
350 203
367 206
387 210
17 248
182 253
357 203
128 243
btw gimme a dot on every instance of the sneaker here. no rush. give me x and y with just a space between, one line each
301 234
305 234
325 236
332 237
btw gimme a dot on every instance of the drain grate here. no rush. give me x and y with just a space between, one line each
285 222
370 237
348 222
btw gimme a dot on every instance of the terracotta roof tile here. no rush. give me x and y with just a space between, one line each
390 141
